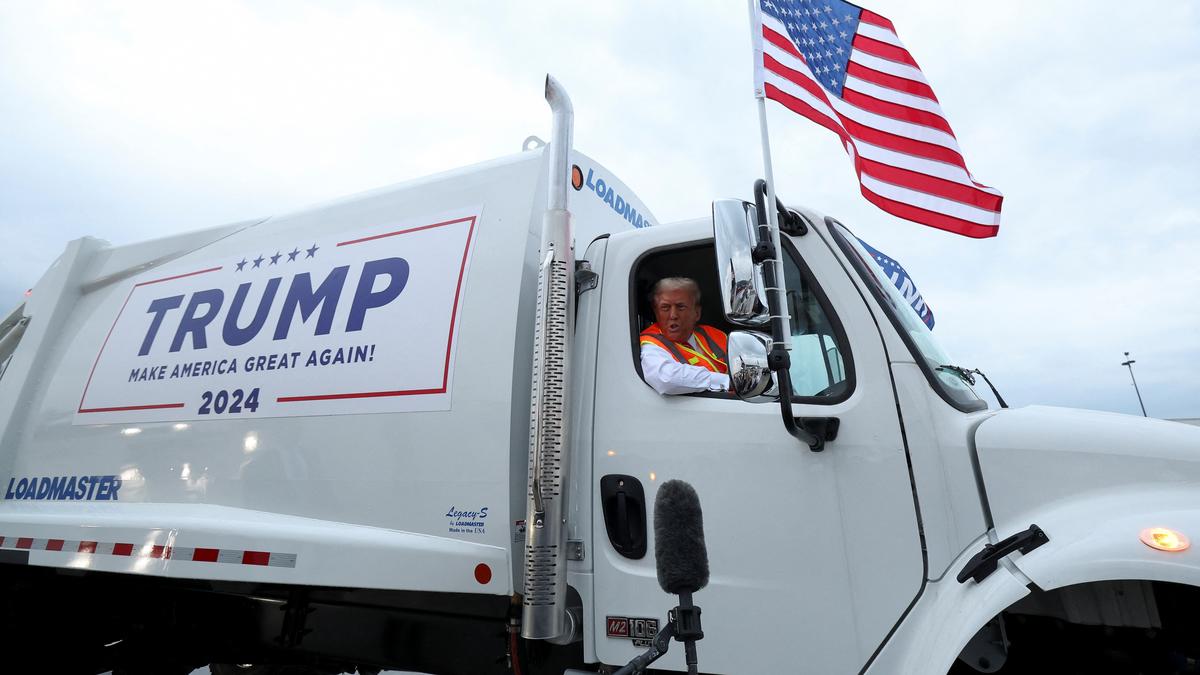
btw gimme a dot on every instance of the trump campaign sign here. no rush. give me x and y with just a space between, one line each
363 322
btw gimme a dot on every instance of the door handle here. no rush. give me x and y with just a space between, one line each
622 534
623 501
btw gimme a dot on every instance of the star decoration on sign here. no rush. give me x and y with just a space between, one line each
274 259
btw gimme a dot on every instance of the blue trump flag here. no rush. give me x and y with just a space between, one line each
903 282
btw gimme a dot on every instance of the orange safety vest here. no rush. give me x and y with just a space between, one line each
710 356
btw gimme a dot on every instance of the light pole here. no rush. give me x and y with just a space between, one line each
1129 364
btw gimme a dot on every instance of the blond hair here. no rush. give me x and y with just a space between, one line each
676 284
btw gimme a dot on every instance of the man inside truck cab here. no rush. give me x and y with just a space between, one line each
680 355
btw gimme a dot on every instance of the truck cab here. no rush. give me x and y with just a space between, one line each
844 546
828 543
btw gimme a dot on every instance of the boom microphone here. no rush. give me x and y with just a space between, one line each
682 564
679 553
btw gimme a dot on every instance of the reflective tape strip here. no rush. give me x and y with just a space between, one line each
181 553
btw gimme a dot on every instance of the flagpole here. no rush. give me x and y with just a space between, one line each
768 171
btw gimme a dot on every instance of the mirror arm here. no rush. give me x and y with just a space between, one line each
784 377
778 360
789 221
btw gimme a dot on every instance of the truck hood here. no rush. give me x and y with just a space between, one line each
1032 456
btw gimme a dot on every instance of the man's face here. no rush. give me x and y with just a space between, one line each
676 313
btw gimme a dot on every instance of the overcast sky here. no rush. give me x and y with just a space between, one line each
131 120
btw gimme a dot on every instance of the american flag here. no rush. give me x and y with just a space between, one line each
843 67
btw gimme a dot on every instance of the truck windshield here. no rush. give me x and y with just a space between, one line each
930 354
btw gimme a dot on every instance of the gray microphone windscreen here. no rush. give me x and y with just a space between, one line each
679 553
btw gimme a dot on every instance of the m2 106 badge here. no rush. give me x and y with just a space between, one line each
640 630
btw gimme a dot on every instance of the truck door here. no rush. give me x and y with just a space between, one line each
814 556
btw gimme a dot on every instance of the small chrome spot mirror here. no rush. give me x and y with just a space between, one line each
752 379
743 293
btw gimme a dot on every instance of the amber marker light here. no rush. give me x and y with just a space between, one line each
1164 539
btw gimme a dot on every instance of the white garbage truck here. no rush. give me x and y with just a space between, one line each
408 430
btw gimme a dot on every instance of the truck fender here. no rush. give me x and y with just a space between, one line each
1093 537
945 616
1096 536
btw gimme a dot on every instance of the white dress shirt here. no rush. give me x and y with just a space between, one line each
669 376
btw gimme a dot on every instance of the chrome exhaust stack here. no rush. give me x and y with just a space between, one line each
544 613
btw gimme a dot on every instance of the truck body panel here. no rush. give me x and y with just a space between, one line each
1034 456
418 496
939 444
1093 481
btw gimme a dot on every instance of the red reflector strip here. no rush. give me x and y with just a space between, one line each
205 554
127 550
256 558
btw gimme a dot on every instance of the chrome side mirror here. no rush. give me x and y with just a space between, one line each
752 378
743 293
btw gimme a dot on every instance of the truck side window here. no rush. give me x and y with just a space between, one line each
822 368
821 364
696 261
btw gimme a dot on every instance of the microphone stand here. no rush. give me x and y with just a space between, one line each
662 641
683 625
685 620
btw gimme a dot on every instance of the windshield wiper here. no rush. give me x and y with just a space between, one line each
968 376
